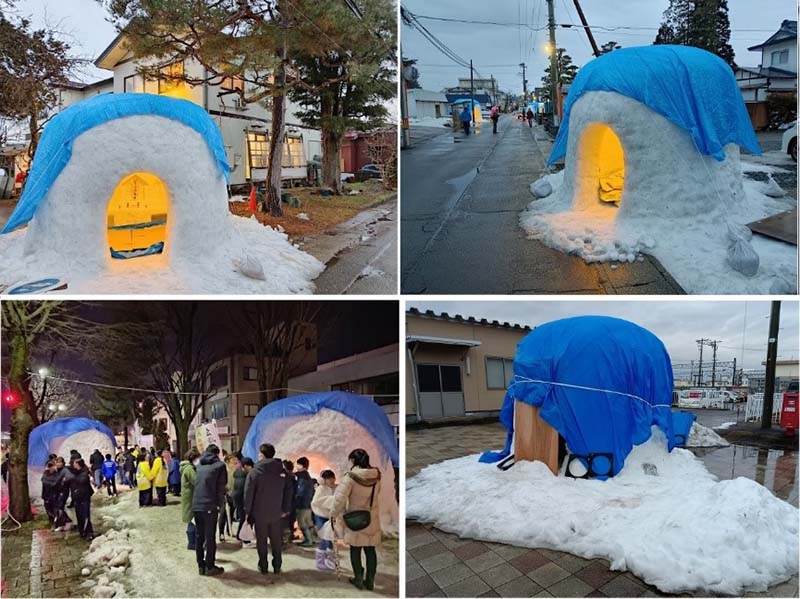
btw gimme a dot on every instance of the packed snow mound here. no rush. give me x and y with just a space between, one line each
67 238
680 215
326 439
680 530
85 442
702 436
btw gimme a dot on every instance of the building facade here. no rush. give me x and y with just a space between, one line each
457 366
424 104
786 371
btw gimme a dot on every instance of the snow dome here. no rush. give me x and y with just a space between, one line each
325 428
60 436
650 140
601 382
128 192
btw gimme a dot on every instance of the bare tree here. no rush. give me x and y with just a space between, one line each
382 151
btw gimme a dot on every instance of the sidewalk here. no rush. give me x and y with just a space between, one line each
474 244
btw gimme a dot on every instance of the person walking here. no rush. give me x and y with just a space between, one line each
495 116
267 498
302 501
96 463
239 479
187 468
144 482
466 119
226 511
529 116
321 506
109 470
50 490
129 469
160 474
211 478
63 521
174 478
79 481
356 510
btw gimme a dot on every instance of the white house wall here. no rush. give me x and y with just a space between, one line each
790 45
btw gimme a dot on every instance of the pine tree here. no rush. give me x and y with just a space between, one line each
700 23
609 46
566 71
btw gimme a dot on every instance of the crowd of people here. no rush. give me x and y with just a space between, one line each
257 504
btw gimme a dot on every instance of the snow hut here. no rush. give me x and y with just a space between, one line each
132 189
60 436
325 428
601 383
653 131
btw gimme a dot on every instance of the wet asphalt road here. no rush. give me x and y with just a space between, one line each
461 200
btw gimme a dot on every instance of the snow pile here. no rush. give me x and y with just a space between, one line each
84 443
702 436
680 529
442 121
678 214
326 439
724 425
67 237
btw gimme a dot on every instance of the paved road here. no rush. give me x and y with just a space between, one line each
361 258
462 197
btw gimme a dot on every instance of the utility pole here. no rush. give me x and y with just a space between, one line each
405 138
471 97
494 92
524 85
700 342
551 24
588 31
772 358
733 376
714 344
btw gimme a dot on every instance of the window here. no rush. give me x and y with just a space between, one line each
293 152
428 378
499 372
784 57
779 57
433 378
169 86
219 378
257 151
451 379
218 409
250 373
129 84
232 83
250 410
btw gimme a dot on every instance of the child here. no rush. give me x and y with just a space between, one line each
321 506
302 501
109 469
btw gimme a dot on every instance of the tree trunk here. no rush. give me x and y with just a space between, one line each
273 195
125 437
331 160
33 129
21 426
182 437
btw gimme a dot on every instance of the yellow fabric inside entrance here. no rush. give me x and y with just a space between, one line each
610 165
137 213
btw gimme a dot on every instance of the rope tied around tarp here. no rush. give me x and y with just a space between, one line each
521 379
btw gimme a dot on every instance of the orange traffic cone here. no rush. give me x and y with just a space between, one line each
252 206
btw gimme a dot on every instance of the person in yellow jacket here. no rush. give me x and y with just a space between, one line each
160 476
144 481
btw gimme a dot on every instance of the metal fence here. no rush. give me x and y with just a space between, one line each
755 403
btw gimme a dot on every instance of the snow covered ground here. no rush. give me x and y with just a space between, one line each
702 436
444 121
680 530
693 249
144 555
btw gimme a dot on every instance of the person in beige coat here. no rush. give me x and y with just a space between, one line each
360 489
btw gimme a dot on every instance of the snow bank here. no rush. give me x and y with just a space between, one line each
724 425
678 214
680 530
84 443
702 436
326 439
67 237
443 121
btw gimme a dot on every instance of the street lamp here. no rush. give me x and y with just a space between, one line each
43 372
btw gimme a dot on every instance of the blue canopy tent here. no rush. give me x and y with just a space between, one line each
601 382
42 438
692 88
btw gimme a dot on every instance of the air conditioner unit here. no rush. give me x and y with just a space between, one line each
240 104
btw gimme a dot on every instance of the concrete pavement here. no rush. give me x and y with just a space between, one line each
462 197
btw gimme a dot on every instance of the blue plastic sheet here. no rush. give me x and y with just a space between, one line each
55 146
361 409
681 425
693 88
43 435
601 382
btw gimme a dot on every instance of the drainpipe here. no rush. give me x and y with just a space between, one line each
414 386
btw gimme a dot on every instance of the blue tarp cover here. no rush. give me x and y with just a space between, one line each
55 146
691 87
626 375
41 436
361 409
681 425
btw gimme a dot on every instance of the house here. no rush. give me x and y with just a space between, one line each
245 127
457 366
776 74
786 371
424 104
355 147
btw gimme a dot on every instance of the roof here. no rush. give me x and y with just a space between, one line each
468 320
771 72
787 31
80 86
482 98
424 95
113 53
442 340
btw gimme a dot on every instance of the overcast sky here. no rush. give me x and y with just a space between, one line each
677 323
503 48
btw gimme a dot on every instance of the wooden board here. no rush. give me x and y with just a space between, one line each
781 226
534 439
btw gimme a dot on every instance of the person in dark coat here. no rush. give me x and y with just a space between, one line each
209 491
51 481
96 464
174 478
290 518
529 116
239 478
267 499
129 469
304 493
62 520
79 480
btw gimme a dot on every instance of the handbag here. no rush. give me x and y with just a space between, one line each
357 520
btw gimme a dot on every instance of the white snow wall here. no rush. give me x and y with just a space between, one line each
665 175
85 442
72 217
326 439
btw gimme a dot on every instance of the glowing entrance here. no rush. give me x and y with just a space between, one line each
137 216
602 150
